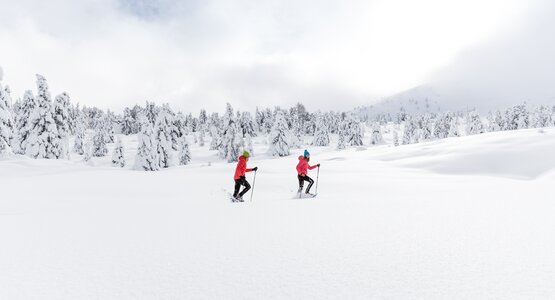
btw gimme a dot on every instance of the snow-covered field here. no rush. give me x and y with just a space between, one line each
470 217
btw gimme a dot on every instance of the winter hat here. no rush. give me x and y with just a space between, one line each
246 154
306 153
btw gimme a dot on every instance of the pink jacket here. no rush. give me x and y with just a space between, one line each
303 166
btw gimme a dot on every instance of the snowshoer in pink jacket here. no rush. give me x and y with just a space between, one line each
302 170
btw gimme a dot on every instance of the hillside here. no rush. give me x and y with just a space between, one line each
468 217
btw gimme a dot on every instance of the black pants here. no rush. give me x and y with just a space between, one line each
302 179
242 181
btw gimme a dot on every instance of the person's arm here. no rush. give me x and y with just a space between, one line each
313 167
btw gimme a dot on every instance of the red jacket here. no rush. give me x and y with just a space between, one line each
241 167
303 166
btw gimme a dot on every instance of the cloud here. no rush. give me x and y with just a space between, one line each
329 54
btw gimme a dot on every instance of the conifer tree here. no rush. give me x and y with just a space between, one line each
22 127
474 124
376 137
354 134
321 136
184 153
118 158
162 135
6 121
79 132
147 154
43 140
61 117
279 141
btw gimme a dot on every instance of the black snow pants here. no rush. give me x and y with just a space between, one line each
242 181
302 179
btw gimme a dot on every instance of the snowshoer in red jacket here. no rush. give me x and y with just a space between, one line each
239 176
302 170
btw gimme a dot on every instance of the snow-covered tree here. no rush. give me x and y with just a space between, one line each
109 122
163 139
426 129
22 127
248 145
79 124
201 138
147 154
118 158
184 153
474 124
395 138
88 153
6 121
321 136
542 117
376 137
215 135
43 139
231 143
129 123
341 143
410 133
151 112
279 137
247 124
100 138
354 133
62 108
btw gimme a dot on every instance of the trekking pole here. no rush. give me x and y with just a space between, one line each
253 182
317 176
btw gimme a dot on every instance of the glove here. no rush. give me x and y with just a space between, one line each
318 165
255 169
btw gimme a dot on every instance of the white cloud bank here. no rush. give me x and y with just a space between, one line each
329 54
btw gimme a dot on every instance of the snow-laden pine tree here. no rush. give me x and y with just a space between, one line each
541 117
426 128
6 121
100 139
395 138
376 138
215 135
247 124
111 119
268 120
22 128
474 123
248 145
354 133
410 133
79 124
162 135
128 124
147 154
61 117
321 135
341 143
87 150
296 131
43 139
452 124
201 138
517 117
151 112
231 143
439 131
279 136
184 152
118 158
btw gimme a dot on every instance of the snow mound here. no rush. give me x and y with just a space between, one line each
522 154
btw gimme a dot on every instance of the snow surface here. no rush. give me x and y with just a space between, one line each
468 217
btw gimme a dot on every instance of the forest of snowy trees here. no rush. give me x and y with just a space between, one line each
39 126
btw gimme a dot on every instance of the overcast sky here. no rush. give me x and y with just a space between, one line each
328 54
